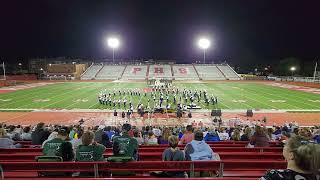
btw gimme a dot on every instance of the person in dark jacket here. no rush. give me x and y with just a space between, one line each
39 135
259 138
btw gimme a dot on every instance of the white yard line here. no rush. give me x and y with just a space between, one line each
284 97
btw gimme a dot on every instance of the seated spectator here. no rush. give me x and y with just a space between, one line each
77 141
39 135
89 150
236 135
5 141
303 157
14 135
164 138
98 133
187 136
271 136
53 135
172 154
223 135
305 132
106 141
125 146
198 149
151 139
247 134
59 146
26 135
259 138
212 135
109 132
316 136
138 136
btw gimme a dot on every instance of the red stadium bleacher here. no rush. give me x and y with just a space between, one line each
252 169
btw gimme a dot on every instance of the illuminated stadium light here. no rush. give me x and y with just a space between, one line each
204 44
113 43
292 69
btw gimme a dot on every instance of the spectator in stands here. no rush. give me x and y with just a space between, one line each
187 136
316 136
5 141
305 132
259 138
303 158
198 149
53 135
223 135
247 134
77 141
39 135
89 150
236 135
14 135
125 146
138 136
165 135
109 132
98 133
59 146
172 154
271 136
116 133
106 141
151 139
212 135
26 135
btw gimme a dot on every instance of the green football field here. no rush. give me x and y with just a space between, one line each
231 95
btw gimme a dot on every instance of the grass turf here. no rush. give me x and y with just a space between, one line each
231 95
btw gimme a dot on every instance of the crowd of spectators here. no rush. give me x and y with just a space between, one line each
82 143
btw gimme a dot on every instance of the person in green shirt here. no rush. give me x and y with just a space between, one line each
59 146
124 145
89 150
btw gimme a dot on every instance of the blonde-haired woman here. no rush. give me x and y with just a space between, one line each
303 158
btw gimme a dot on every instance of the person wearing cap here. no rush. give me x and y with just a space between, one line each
59 146
124 145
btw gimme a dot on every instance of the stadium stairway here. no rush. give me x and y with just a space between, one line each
147 75
123 71
172 73
195 69
98 71
222 73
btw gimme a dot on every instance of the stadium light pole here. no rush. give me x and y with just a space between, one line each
292 70
113 43
204 44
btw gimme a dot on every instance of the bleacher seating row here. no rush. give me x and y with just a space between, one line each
176 72
20 162
226 168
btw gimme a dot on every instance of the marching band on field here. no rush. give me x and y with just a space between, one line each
159 95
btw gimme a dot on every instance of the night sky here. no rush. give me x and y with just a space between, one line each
243 31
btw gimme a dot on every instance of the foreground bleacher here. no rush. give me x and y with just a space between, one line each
226 168
237 162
